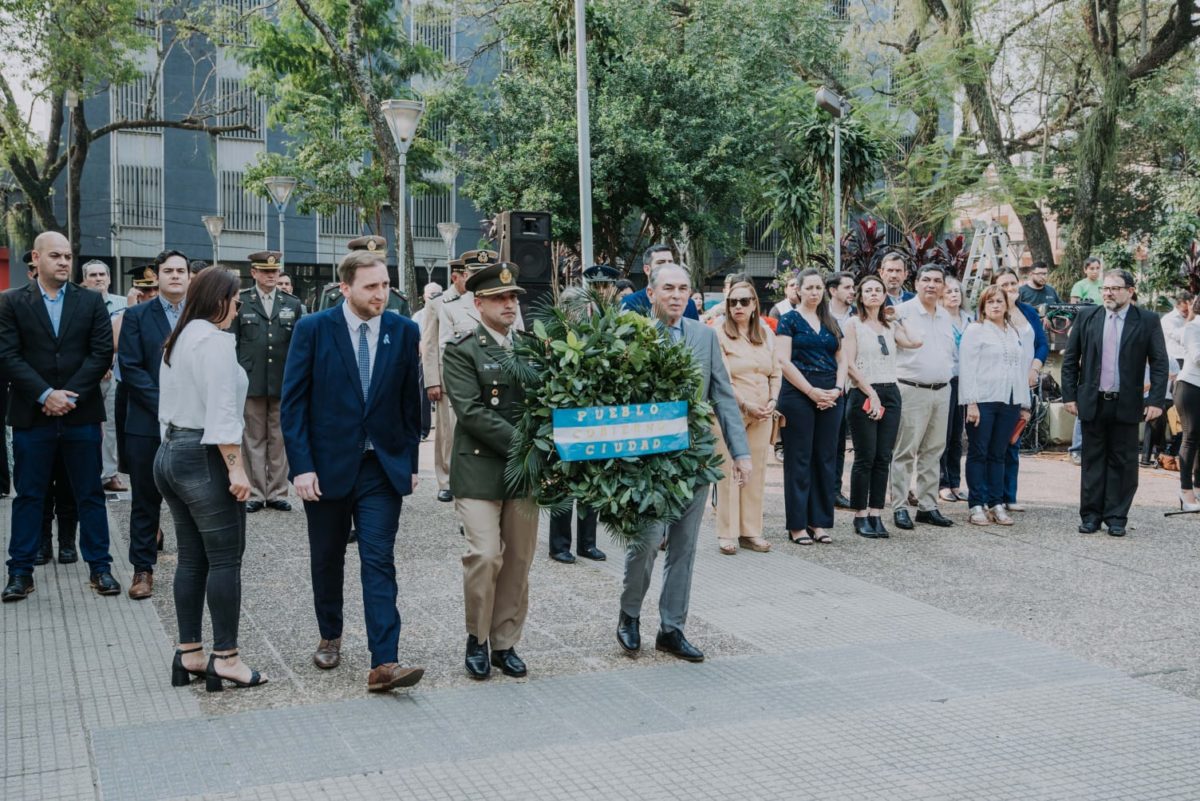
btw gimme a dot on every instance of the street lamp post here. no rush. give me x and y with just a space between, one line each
280 187
583 127
448 232
402 117
836 106
214 224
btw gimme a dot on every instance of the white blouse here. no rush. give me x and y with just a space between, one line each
870 360
992 366
203 387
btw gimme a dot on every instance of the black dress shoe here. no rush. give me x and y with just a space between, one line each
1116 531
477 659
877 525
902 520
445 496
1089 528
934 518
674 643
628 634
279 505
254 506
563 556
67 555
44 555
509 663
841 501
17 588
863 529
105 584
593 553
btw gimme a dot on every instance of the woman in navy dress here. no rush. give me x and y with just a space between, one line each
808 343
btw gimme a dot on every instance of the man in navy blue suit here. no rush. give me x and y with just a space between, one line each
351 418
144 328
639 301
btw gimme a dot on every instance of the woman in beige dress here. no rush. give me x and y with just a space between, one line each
748 347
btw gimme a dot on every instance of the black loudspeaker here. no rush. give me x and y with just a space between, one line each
525 241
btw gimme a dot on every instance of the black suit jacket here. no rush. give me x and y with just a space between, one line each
35 360
1141 343
144 329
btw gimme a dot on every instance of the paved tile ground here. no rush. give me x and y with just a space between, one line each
953 664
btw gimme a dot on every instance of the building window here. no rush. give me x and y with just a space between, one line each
433 26
243 211
757 238
233 20
343 222
132 101
840 9
240 105
428 211
139 193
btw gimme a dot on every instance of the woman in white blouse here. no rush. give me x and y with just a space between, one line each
199 470
993 385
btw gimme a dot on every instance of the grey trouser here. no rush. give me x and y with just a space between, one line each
108 430
677 565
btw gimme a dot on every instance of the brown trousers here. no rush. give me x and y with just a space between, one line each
501 540
740 509
262 446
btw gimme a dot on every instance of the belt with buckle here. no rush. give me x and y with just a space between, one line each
919 385
1108 396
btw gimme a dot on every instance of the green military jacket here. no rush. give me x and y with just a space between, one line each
487 403
262 341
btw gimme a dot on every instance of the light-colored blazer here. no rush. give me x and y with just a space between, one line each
716 387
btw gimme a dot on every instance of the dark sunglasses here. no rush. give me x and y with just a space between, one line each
741 301
883 345
237 304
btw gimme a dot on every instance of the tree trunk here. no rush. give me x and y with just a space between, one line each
76 158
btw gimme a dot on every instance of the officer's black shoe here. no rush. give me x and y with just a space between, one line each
902 519
1116 531
279 506
105 584
67 555
934 518
45 554
593 553
477 659
628 634
509 663
674 643
563 556
254 506
445 496
841 501
17 589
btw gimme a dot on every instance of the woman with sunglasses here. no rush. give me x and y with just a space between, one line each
870 347
748 348
202 477
808 345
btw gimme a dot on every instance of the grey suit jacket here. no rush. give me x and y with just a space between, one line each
716 387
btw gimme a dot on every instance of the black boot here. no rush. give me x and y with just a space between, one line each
878 527
863 529
478 666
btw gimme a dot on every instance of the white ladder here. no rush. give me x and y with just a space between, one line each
990 248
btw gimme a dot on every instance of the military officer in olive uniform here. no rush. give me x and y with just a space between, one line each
501 529
263 328
432 347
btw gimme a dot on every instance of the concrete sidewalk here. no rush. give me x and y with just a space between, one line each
818 685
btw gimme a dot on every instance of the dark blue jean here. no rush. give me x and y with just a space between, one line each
987 446
34 451
210 528
951 473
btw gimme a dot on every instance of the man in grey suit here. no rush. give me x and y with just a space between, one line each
669 290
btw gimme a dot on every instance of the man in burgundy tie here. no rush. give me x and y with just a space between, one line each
1103 371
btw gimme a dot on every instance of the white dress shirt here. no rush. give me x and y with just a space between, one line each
204 387
354 321
933 362
992 367
1191 353
1172 326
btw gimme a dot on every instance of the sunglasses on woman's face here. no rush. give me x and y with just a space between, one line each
747 302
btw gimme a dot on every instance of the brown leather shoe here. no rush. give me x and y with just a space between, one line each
142 586
390 675
114 485
328 654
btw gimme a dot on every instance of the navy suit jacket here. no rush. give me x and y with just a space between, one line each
322 412
144 329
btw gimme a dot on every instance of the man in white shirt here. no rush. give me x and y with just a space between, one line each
1172 327
791 300
924 377
96 278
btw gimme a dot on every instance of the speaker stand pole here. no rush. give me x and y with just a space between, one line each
585 141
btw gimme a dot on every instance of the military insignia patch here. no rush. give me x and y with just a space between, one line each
505 276
371 244
149 274
271 259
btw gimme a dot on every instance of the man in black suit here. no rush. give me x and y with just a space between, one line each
55 346
1103 376
144 328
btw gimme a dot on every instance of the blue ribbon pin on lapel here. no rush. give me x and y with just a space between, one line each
387 340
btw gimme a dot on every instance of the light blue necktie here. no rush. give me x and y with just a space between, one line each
364 360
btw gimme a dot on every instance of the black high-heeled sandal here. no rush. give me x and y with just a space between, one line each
214 682
182 676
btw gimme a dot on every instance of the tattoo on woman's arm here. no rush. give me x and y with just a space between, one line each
232 459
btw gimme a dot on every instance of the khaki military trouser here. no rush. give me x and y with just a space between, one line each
443 441
501 540
262 446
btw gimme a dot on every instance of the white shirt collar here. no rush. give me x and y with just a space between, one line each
354 321
501 339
